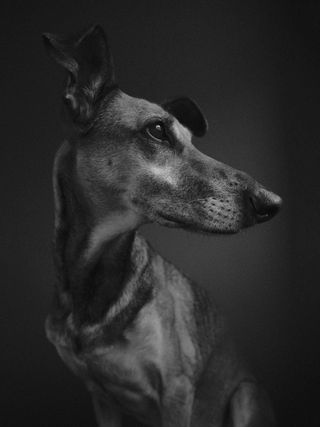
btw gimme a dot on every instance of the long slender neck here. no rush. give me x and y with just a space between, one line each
92 256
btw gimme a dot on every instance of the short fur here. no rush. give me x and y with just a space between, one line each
147 341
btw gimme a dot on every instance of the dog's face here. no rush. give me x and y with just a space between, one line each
137 157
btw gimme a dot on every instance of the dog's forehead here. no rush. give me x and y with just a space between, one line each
127 112
133 112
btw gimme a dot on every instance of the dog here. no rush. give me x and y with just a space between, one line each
149 344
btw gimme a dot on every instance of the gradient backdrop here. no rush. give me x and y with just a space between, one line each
254 67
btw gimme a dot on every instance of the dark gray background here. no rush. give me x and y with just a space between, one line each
254 67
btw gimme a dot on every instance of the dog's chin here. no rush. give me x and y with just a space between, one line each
202 227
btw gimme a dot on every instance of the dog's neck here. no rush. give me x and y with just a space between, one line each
92 254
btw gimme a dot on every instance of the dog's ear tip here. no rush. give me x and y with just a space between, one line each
49 40
46 37
95 30
100 32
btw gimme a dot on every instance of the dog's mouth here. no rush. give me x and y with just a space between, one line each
174 221
192 225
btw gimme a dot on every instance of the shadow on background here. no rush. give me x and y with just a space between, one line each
254 69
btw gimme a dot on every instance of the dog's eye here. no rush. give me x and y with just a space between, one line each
157 131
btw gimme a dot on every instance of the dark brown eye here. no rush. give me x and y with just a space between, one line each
157 131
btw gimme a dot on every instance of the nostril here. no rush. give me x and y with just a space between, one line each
265 204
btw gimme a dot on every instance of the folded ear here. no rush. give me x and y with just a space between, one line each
188 113
89 64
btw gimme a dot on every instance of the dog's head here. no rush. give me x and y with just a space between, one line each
137 157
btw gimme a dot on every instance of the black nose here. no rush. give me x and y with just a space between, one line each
265 204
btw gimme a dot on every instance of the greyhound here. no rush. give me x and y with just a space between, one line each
149 344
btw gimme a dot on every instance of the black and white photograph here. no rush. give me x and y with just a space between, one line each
160 213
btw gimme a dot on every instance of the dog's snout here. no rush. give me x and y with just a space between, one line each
265 204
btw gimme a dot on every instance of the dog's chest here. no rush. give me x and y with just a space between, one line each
133 370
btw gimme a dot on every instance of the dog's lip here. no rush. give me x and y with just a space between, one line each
174 220
168 217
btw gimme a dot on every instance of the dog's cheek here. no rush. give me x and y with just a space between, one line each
146 195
